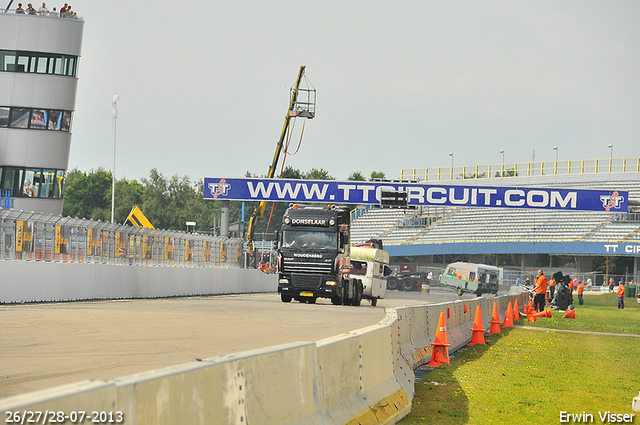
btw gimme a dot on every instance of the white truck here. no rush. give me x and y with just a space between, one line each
371 266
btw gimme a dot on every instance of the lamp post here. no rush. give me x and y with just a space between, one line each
610 151
451 155
555 148
114 117
502 171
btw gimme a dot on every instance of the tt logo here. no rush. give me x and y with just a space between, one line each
612 201
221 188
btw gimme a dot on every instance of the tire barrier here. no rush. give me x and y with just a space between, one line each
360 377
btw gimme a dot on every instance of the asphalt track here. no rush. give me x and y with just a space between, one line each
45 345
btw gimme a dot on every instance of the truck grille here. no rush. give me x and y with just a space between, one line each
307 267
306 281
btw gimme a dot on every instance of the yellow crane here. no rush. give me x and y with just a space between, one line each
303 108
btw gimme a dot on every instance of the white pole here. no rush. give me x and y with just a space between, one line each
114 117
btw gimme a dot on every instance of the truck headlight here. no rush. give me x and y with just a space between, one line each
283 281
331 283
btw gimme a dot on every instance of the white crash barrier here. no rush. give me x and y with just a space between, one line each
29 281
361 377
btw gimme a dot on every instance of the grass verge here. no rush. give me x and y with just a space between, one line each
529 376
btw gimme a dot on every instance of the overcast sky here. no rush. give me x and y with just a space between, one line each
204 86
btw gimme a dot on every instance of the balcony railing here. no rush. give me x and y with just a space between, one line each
523 169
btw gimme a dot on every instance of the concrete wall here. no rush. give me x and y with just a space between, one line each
31 281
361 377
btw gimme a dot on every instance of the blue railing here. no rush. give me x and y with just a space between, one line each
6 201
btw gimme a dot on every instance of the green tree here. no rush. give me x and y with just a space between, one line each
315 174
377 175
88 195
356 176
128 194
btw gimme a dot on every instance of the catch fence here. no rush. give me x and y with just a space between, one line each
29 236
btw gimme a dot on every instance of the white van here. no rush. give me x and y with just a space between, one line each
370 265
470 277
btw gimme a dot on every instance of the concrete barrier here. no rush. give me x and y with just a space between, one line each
361 377
29 281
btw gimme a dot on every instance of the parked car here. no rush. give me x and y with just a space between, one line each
407 281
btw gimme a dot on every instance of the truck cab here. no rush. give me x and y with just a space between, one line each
313 256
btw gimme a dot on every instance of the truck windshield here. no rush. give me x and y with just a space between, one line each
309 239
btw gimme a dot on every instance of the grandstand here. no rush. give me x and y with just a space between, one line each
481 230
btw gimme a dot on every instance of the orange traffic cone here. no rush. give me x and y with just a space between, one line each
495 320
516 313
477 337
531 318
543 313
440 354
508 317
569 314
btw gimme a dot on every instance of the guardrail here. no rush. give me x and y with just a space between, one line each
38 237
528 169
364 376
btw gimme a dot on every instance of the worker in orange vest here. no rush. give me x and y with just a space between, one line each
540 290
552 288
621 295
580 290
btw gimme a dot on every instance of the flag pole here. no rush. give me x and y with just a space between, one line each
114 116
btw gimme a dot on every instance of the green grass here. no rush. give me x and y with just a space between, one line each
528 376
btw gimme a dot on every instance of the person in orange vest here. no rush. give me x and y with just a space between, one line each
552 288
621 295
571 286
540 290
580 290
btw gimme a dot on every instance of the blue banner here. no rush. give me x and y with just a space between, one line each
418 194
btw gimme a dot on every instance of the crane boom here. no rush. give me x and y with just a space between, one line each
259 210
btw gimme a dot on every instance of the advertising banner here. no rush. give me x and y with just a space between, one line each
24 236
188 250
94 237
62 239
416 194
206 251
121 243
168 248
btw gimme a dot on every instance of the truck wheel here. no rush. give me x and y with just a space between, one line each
374 302
357 298
459 291
409 284
336 300
392 283
311 301
345 292
285 298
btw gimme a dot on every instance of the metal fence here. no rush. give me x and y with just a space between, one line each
30 236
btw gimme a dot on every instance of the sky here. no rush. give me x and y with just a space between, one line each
204 86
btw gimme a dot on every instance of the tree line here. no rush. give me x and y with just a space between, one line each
169 202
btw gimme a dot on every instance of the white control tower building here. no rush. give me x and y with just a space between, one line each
38 81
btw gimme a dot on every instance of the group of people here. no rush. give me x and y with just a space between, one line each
64 12
542 285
